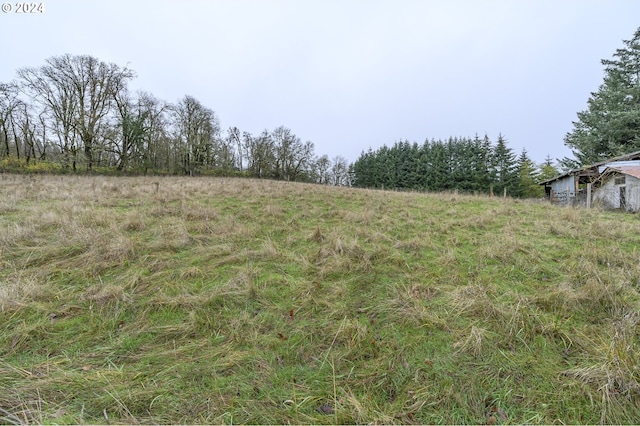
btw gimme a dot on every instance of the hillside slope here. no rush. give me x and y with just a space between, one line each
204 300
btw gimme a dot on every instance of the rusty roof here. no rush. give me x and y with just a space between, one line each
628 170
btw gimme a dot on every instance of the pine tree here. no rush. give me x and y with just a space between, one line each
484 149
424 168
408 165
528 177
547 170
363 170
440 167
504 168
610 125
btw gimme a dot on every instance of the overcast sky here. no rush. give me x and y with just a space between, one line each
351 74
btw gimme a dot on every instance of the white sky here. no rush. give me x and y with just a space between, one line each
349 74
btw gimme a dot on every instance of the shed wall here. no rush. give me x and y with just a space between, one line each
563 190
609 193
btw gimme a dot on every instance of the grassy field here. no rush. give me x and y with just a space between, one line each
209 300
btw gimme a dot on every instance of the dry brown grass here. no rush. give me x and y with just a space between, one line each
19 289
476 342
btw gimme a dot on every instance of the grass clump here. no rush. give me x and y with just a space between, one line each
217 300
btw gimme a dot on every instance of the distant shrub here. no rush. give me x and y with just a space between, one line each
20 165
43 167
12 164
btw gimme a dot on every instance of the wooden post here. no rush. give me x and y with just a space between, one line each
505 192
589 195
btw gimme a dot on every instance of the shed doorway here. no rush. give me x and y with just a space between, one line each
623 197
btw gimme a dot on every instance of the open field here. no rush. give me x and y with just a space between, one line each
208 300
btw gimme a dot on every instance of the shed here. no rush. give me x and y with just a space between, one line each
619 187
570 188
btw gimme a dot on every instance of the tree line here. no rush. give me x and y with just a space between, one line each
76 112
471 165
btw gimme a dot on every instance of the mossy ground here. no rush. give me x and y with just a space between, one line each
216 300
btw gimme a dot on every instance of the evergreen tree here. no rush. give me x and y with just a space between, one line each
365 170
440 167
528 177
610 125
505 169
482 152
422 165
386 168
460 163
547 170
407 165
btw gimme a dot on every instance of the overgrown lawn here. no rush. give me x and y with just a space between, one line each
213 300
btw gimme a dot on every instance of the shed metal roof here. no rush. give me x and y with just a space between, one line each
631 170
618 164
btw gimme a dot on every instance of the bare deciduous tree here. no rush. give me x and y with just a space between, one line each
260 153
339 171
79 92
292 157
322 166
155 148
234 138
197 131
9 103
